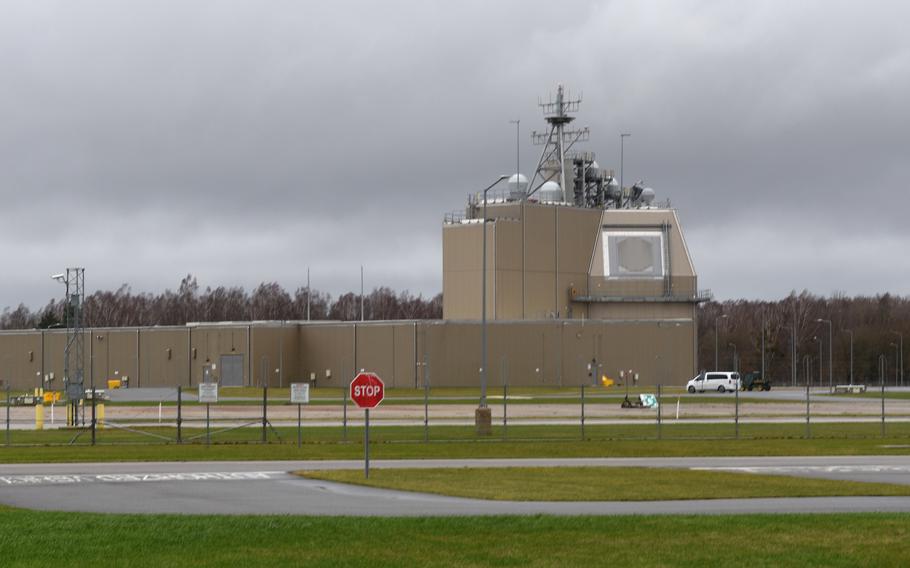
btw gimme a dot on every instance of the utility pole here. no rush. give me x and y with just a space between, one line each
850 331
517 123
715 339
830 349
763 343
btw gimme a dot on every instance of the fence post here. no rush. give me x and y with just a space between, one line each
504 377
883 406
208 429
736 418
582 411
808 430
265 410
659 416
93 417
344 414
7 414
505 410
426 402
179 415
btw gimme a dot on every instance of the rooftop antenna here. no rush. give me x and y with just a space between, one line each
557 141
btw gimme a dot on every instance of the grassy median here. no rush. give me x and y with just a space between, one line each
603 483
396 442
29 538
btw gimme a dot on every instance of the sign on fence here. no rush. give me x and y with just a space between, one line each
208 393
300 393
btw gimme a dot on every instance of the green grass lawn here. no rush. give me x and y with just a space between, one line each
873 392
29 538
602 483
393 442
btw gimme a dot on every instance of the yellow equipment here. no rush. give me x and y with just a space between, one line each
113 384
51 397
606 381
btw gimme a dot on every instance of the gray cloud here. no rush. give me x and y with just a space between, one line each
243 141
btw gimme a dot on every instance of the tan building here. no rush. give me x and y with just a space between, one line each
565 286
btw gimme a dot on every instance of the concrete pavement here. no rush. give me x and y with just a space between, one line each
268 488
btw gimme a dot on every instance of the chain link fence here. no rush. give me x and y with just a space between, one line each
250 415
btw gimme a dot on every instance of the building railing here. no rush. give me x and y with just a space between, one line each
602 288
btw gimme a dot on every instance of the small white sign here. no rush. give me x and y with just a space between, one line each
208 393
300 393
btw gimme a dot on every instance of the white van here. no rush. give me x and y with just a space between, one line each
720 381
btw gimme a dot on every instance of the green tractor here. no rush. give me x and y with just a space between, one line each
754 380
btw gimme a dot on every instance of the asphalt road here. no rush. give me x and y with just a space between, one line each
268 488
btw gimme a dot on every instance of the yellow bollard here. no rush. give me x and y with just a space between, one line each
69 414
39 417
99 416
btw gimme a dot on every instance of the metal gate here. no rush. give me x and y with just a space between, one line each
232 370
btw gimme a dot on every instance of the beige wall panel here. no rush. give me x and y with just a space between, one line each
276 355
508 296
578 230
540 295
540 252
460 246
376 350
328 347
405 355
20 360
54 347
163 358
110 354
507 235
462 299
451 360
462 267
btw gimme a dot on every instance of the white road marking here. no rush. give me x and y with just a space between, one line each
814 469
137 477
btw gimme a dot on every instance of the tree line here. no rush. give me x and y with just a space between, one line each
190 303
876 323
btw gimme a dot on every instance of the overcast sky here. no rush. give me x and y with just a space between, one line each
244 141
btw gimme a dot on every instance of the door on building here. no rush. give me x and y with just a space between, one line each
232 370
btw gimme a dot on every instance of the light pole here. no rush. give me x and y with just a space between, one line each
819 341
715 339
517 123
897 360
483 310
735 366
830 349
622 157
900 359
850 331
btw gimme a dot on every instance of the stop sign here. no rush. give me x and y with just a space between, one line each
367 390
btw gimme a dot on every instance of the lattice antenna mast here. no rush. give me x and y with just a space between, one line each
74 354
557 141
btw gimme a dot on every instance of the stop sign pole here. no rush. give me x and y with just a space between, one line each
367 391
